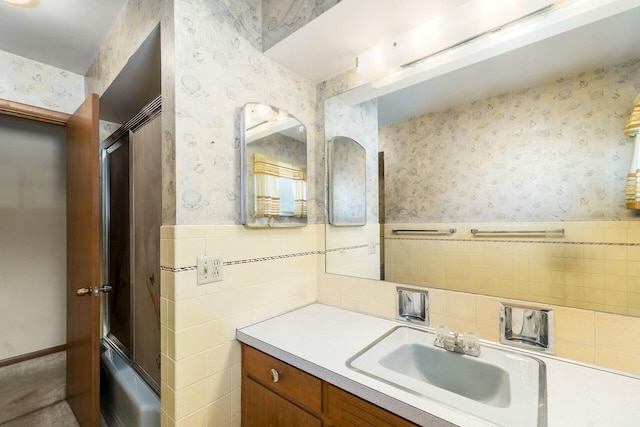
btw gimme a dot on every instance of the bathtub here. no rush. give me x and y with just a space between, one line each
125 399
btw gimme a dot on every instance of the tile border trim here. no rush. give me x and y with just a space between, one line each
245 261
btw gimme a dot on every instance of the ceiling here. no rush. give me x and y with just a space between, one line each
329 44
602 43
68 34
63 33
577 35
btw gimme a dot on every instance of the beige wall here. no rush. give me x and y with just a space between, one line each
32 237
34 279
265 272
217 70
595 265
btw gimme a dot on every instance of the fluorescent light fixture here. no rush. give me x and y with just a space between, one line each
461 24
24 3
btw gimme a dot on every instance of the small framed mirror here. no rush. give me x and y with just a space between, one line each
347 182
273 167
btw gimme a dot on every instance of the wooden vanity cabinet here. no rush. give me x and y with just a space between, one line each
276 394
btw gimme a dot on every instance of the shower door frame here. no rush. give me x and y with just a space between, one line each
106 148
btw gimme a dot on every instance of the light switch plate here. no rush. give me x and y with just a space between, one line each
209 269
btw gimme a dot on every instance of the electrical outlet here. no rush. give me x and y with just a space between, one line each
209 269
372 248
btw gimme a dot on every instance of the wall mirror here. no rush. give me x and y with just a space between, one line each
347 182
274 168
520 138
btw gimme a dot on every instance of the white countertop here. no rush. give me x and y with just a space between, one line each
319 339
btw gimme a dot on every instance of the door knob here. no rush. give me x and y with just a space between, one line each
93 291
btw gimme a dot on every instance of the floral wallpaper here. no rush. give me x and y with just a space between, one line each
132 27
106 129
283 17
546 153
218 70
35 83
134 24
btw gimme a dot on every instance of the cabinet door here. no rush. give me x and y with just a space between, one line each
345 409
263 408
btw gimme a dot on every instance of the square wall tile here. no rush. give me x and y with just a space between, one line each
189 371
438 302
168 401
190 341
187 250
460 326
218 385
198 418
614 332
186 285
617 360
219 412
167 284
190 399
487 310
219 358
461 306
488 332
574 325
575 351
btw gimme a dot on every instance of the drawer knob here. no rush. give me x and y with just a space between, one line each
275 375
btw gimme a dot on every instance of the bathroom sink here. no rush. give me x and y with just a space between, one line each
502 387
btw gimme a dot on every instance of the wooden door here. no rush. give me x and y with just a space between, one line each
83 271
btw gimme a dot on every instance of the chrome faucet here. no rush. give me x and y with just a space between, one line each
466 343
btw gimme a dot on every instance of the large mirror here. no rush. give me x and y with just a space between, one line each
528 141
274 168
347 165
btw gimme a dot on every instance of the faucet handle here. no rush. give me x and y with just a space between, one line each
471 342
442 332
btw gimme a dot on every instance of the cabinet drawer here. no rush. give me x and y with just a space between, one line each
292 383
346 409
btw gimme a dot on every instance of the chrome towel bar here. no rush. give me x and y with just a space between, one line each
419 231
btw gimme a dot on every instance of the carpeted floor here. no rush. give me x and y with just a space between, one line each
32 394
57 415
28 386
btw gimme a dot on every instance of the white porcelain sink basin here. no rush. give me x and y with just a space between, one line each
502 387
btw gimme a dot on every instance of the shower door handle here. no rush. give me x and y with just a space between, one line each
93 291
